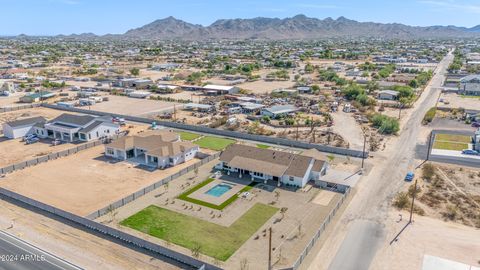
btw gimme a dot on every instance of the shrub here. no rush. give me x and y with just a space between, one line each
401 200
385 124
428 171
429 115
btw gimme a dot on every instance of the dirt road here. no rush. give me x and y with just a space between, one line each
371 203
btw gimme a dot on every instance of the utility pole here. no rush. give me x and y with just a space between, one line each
429 145
400 111
270 248
174 113
363 153
413 201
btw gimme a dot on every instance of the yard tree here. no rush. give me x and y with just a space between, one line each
413 83
135 71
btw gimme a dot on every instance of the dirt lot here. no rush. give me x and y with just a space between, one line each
84 182
426 236
10 100
450 193
457 101
134 106
262 87
20 114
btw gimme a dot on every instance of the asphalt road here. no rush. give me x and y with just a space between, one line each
16 254
369 208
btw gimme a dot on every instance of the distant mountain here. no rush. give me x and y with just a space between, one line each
475 29
169 28
298 27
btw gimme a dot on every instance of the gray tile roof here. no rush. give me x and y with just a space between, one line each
26 121
77 120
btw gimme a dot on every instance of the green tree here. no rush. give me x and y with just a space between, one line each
135 71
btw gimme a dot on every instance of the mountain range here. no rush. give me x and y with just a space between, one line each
297 27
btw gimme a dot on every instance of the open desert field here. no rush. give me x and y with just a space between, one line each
134 106
83 182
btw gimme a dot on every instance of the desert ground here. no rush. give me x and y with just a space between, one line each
84 182
134 106
457 101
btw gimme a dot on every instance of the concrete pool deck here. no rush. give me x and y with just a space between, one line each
202 195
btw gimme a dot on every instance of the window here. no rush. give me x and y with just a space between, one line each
97 134
291 178
89 136
108 130
110 151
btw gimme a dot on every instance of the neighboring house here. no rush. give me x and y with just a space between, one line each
21 128
133 83
212 89
6 87
388 95
470 85
472 115
279 111
158 150
71 128
36 97
198 107
265 164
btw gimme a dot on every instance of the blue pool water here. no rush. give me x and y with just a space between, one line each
218 190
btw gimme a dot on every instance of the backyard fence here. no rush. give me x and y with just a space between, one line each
53 156
150 188
20 107
226 133
133 241
319 232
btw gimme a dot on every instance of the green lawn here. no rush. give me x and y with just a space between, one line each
214 143
453 138
184 196
263 146
188 136
214 240
450 145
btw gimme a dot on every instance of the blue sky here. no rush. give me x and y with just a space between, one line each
51 17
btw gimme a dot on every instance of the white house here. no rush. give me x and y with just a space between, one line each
71 127
20 128
470 85
220 89
270 165
7 87
388 95
160 150
278 111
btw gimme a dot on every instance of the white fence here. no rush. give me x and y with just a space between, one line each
133 241
150 188
319 232
53 156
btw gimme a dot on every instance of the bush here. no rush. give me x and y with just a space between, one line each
401 200
429 116
428 171
385 124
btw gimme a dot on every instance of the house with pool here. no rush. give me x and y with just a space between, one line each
161 150
271 165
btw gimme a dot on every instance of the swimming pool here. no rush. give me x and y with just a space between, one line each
219 190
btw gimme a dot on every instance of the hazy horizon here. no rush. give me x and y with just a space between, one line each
54 17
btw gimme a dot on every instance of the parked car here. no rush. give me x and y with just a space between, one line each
409 177
56 142
476 124
29 137
118 120
32 140
470 152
